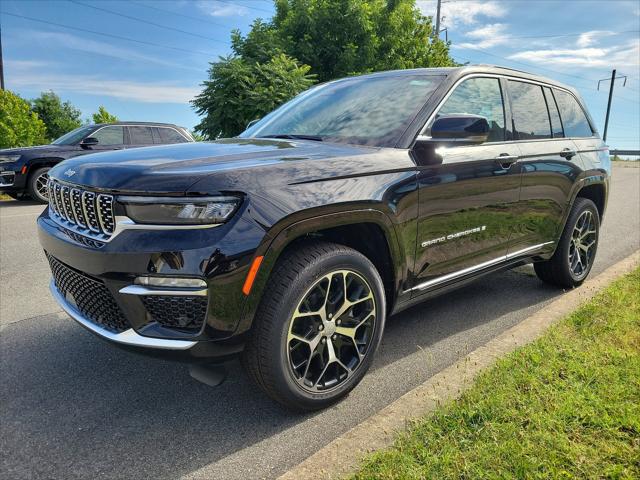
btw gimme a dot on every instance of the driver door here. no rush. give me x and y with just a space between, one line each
468 197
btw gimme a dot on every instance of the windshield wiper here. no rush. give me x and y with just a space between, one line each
293 136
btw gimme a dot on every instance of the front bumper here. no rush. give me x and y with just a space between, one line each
220 256
11 178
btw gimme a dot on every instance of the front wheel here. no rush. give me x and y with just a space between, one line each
318 326
576 251
37 185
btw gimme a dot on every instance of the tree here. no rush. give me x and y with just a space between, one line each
59 117
239 91
19 126
329 39
102 116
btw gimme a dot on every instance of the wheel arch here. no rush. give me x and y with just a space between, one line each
370 232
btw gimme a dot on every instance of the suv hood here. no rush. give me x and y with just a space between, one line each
172 169
38 150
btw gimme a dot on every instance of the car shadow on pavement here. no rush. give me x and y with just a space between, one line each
16 204
74 406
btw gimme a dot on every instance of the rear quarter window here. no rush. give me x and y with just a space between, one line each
169 135
574 119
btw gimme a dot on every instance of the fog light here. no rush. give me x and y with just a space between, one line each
172 282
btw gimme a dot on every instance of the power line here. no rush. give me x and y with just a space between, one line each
570 34
79 29
173 12
541 68
235 4
142 20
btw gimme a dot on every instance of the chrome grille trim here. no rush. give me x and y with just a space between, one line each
82 211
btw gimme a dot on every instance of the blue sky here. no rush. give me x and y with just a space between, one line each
154 77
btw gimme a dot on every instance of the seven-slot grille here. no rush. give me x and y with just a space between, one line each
90 213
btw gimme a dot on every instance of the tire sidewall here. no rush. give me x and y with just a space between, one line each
583 205
33 191
304 280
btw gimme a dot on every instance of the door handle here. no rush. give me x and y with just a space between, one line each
505 160
568 153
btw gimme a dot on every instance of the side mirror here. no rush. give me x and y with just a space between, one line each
460 128
89 142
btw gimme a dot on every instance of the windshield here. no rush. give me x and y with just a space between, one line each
362 110
74 136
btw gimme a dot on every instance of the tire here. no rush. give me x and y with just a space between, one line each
35 186
279 343
564 269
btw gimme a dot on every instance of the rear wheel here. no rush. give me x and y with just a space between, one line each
37 185
576 251
318 326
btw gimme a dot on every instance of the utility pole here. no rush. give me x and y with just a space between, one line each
611 85
438 20
1 63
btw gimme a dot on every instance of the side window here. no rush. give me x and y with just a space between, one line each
478 96
530 115
554 115
140 136
169 135
573 118
109 136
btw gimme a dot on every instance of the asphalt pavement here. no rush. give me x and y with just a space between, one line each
72 406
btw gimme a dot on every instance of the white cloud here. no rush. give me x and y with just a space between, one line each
82 44
454 14
221 9
625 55
487 36
587 39
147 92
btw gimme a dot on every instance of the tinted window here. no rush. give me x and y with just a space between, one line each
362 110
573 118
478 96
556 124
169 135
530 116
110 136
140 136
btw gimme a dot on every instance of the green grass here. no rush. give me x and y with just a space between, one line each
565 406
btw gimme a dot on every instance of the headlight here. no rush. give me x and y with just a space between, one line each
180 211
9 158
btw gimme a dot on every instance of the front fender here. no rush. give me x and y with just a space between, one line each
274 245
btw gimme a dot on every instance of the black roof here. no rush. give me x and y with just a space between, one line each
468 69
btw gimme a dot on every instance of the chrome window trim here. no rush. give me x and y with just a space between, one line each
474 268
124 143
129 337
163 291
506 77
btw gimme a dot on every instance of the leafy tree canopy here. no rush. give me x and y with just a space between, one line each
308 40
239 91
19 126
102 116
58 117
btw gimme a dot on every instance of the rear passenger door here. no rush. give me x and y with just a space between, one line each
140 136
549 164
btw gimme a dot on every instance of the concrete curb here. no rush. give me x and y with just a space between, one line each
343 455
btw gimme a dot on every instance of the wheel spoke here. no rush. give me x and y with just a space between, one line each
327 325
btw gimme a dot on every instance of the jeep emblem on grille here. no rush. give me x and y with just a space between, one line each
70 173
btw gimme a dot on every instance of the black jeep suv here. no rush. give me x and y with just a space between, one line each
291 244
26 170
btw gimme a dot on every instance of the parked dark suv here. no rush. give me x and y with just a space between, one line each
291 244
24 171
